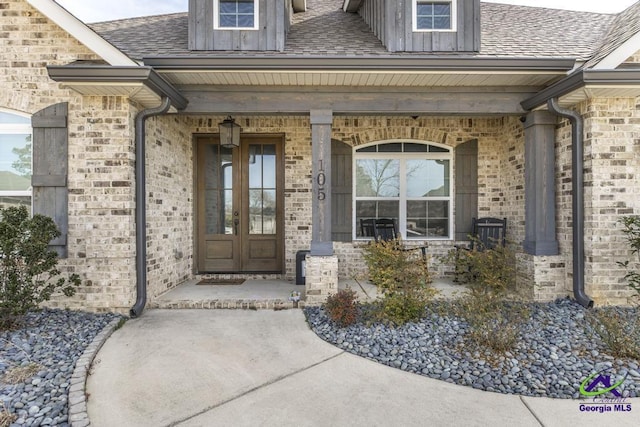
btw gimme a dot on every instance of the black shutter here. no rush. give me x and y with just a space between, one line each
49 176
466 188
341 189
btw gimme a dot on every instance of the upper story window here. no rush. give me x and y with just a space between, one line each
15 159
434 15
407 181
235 14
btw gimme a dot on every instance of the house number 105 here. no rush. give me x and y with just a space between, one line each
321 179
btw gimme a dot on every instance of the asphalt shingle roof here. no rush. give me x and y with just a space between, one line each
324 29
624 26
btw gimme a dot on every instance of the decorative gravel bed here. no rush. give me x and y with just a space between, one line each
553 357
45 351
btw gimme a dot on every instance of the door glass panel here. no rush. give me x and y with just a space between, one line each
269 212
262 189
218 181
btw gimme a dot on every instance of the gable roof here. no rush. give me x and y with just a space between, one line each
622 40
507 31
81 32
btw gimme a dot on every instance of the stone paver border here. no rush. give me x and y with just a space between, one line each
78 416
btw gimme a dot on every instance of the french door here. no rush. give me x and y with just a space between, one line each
240 202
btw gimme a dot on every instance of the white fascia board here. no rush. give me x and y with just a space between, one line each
81 32
621 54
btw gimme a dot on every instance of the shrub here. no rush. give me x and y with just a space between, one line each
404 306
493 322
28 269
631 229
392 268
490 274
342 307
619 333
488 271
402 278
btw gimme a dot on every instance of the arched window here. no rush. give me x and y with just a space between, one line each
15 159
408 181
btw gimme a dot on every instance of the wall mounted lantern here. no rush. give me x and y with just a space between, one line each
229 133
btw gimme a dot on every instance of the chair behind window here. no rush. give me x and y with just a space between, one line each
489 232
379 228
385 229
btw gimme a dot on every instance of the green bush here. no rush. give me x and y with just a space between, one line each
342 307
402 278
28 268
631 228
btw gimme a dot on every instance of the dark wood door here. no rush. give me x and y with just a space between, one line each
240 202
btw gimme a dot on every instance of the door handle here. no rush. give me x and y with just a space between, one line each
236 222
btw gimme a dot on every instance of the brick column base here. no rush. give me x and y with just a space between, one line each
321 278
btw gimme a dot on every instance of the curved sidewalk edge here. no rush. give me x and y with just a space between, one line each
78 416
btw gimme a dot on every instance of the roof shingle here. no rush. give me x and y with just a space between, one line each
325 30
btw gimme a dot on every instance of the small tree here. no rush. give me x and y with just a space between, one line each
28 268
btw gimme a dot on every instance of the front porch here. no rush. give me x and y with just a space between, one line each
272 294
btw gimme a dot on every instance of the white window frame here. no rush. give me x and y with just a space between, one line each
454 15
17 129
402 199
216 17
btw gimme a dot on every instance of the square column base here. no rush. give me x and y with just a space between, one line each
321 277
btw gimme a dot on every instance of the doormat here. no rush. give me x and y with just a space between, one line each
221 282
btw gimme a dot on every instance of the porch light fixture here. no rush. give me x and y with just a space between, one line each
229 133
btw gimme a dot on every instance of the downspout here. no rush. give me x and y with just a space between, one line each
141 204
577 199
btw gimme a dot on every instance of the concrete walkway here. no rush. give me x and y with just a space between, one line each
266 368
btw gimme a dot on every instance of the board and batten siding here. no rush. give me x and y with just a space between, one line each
391 22
274 22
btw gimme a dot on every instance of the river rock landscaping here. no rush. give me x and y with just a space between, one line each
37 361
555 352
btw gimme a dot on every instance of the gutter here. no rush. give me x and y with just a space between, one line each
577 198
580 79
372 63
117 76
141 204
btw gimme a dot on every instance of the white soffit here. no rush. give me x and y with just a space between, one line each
598 91
342 78
81 32
136 91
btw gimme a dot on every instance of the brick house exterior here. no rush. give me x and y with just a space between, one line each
485 81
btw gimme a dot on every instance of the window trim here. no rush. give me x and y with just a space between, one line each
17 129
216 18
402 209
454 17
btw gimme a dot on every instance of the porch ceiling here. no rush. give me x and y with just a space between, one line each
415 71
381 78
